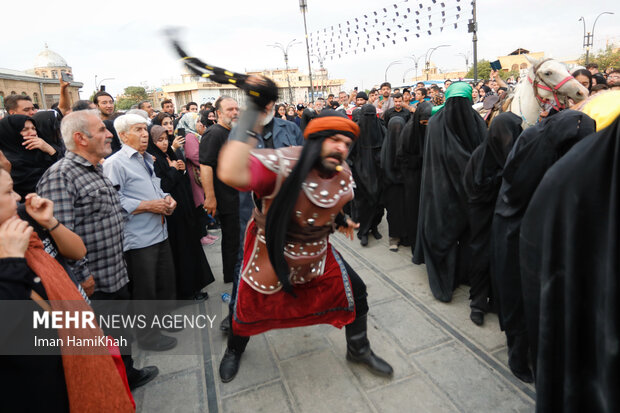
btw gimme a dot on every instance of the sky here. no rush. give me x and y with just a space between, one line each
123 40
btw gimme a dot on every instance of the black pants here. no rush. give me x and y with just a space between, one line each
230 244
238 343
123 295
152 276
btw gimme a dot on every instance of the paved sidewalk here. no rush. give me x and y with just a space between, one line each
442 361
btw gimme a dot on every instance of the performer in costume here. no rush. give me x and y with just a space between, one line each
292 276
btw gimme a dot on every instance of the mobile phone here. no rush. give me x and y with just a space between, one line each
66 77
181 132
496 65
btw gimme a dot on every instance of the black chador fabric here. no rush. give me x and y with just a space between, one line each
27 165
482 180
365 161
443 231
393 183
538 147
48 128
191 265
569 268
409 154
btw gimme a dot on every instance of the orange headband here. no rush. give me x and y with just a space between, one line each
335 124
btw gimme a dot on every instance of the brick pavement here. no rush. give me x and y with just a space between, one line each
442 361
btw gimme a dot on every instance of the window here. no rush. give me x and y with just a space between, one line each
1 100
35 97
24 94
523 65
514 67
13 92
54 75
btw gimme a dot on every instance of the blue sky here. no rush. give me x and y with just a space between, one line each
123 40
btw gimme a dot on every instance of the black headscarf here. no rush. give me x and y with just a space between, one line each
276 226
363 155
390 164
27 166
48 128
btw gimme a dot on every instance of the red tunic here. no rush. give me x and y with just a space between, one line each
327 299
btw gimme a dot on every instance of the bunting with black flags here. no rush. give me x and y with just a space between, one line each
388 25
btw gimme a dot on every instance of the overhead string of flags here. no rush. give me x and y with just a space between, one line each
397 23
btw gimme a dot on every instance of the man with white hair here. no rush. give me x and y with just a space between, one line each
146 247
86 202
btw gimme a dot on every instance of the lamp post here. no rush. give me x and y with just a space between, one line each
466 57
285 51
415 61
428 55
472 27
303 5
588 39
395 62
100 82
321 60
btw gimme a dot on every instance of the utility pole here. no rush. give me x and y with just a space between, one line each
472 27
303 5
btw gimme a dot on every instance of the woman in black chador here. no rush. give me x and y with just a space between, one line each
192 269
365 165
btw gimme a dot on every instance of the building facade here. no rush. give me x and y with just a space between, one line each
196 89
41 82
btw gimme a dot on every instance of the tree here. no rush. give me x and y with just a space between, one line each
484 70
610 57
131 96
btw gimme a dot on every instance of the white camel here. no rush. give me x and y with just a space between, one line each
547 82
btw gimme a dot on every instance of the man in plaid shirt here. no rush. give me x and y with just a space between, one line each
86 202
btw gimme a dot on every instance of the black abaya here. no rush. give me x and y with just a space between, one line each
481 181
364 159
443 231
534 152
393 182
569 269
27 165
410 160
191 265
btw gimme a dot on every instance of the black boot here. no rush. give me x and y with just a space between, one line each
229 366
518 348
359 351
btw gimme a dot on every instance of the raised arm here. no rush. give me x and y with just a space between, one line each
233 163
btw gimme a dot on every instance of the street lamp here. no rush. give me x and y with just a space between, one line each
303 5
100 82
321 60
428 55
588 39
395 62
416 61
285 51
466 57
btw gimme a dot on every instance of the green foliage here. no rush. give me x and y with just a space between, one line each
125 103
131 96
484 70
604 58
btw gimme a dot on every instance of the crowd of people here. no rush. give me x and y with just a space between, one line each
100 205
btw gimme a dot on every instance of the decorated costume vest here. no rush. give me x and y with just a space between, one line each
309 226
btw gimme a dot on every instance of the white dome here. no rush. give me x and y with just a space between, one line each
48 58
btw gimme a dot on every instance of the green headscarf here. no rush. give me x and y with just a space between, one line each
456 89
